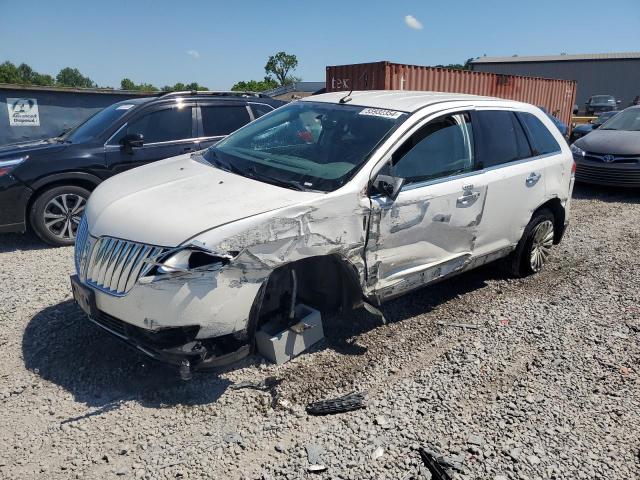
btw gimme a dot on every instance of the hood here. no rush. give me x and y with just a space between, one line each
614 142
168 202
29 147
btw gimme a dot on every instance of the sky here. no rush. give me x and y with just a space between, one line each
217 43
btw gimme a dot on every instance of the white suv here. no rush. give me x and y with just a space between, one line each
336 201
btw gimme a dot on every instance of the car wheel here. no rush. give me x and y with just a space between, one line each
56 213
533 249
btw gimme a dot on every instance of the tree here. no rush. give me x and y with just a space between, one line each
255 85
71 77
9 73
459 66
181 87
128 84
280 65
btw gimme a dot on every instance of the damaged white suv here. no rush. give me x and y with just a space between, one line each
335 201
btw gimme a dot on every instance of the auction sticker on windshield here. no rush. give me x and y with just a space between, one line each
380 112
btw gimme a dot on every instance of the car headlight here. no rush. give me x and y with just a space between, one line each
10 163
577 151
184 260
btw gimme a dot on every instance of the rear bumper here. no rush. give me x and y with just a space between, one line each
14 197
608 174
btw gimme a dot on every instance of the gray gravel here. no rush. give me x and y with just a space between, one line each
545 388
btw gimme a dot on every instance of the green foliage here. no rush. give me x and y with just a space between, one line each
280 65
255 85
128 84
71 77
23 74
180 87
459 66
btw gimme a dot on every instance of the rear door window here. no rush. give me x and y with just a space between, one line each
542 139
500 138
169 124
220 120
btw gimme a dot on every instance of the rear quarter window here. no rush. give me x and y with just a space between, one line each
543 141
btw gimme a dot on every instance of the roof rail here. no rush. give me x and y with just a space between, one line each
221 93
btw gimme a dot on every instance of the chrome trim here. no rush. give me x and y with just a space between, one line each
115 264
427 183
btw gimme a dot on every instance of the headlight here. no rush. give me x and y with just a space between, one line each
9 164
577 151
188 259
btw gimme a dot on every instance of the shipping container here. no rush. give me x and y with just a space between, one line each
557 96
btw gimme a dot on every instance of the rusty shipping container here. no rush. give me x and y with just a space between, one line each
557 96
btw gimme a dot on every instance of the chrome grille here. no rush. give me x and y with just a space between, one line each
116 265
82 245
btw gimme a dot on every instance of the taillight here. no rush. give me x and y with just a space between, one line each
573 168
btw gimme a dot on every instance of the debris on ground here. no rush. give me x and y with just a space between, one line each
264 384
346 403
436 464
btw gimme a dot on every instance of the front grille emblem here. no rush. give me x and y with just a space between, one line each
608 158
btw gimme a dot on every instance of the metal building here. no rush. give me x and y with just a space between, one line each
32 112
616 74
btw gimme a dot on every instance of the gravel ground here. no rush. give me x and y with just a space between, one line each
545 387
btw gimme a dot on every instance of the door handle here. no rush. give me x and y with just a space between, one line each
468 199
533 178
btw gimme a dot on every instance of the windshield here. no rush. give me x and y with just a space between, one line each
603 99
306 145
97 123
627 120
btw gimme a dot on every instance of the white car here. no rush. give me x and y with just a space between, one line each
335 201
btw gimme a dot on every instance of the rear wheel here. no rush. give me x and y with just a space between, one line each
56 213
534 248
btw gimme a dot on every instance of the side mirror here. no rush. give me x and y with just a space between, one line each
131 141
388 185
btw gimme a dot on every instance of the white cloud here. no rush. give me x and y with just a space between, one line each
193 53
413 22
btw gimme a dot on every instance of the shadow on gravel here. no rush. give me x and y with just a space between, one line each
11 242
585 191
63 347
339 329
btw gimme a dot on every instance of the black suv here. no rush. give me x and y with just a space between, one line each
46 183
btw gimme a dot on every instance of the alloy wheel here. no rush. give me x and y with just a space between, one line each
541 246
63 213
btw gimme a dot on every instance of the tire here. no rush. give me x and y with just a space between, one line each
534 247
56 213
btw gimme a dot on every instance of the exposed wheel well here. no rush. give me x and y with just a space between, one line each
77 182
555 207
328 283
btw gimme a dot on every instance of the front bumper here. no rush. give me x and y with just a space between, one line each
14 197
616 174
198 321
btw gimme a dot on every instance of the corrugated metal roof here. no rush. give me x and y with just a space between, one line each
558 58
295 87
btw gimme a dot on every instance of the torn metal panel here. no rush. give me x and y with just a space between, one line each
427 232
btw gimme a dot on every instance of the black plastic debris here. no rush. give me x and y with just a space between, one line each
347 403
265 384
439 467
